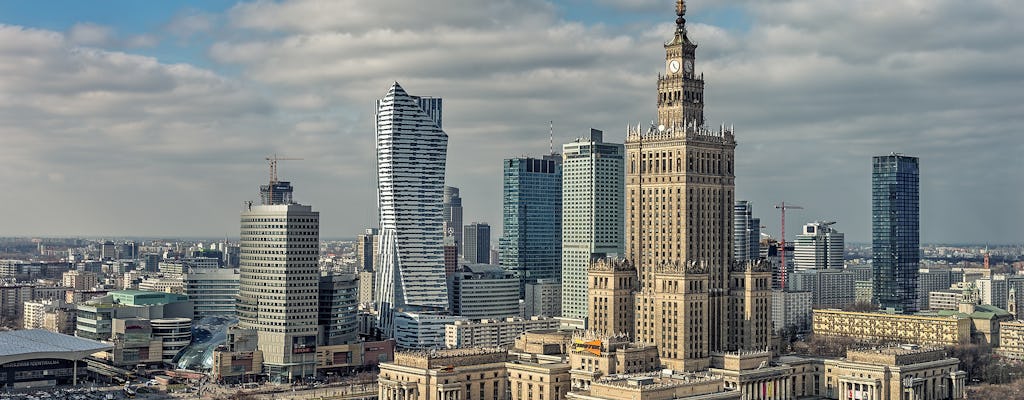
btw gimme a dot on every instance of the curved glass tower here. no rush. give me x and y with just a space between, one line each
411 151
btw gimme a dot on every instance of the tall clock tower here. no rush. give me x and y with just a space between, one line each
680 89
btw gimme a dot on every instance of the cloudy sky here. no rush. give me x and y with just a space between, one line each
150 118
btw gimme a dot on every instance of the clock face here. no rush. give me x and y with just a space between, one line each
673 66
689 66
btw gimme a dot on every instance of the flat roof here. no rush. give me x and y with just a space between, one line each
38 343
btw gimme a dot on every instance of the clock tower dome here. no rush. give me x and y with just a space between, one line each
680 89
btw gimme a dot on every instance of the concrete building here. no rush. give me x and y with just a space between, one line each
492 332
367 281
470 374
791 310
746 234
993 290
278 292
79 280
411 157
484 291
173 334
818 246
862 292
451 209
831 288
945 299
170 283
658 386
213 291
543 298
477 248
422 330
531 239
895 231
937 329
339 304
179 266
367 254
1011 339
931 280
594 356
592 213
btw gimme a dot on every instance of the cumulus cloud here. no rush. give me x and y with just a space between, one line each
815 88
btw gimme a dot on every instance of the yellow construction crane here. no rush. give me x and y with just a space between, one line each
273 166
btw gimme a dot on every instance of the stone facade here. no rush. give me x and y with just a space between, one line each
924 330
468 374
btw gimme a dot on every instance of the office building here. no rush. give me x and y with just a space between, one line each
213 291
746 232
367 282
151 262
484 291
366 250
411 151
422 330
791 310
492 332
993 290
592 213
818 246
831 288
339 304
543 298
477 249
895 237
108 251
179 266
451 210
931 280
531 240
278 285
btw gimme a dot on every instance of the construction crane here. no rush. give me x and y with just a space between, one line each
782 243
272 160
273 166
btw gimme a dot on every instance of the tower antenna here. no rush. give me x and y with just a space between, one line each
551 137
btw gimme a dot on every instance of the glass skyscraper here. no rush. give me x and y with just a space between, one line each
531 241
895 231
746 232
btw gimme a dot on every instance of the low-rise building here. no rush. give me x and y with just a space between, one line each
483 291
543 298
1011 339
904 372
422 330
466 374
948 330
593 356
665 385
345 358
492 333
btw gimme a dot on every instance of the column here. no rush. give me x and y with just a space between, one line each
74 373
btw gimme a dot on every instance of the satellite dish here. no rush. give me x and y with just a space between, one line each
661 128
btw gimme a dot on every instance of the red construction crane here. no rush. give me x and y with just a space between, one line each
782 242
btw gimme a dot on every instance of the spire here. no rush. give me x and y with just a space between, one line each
681 13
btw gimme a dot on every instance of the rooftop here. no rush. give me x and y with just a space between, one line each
37 343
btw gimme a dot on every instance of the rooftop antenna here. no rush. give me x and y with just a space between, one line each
551 137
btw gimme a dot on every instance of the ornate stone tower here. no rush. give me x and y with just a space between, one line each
612 286
680 89
680 191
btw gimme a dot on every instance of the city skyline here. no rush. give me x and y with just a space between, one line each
185 132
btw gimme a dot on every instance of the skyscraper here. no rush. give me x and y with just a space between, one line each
895 238
366 250
478 243
818 246
592 213
452 209
277 295
746 232
411 155
531 240
680 188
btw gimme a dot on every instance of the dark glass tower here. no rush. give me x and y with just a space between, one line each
531 241
895 231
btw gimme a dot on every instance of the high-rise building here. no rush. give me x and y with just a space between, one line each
477 249
543 298
818 246
612 309
278 286
366 250
531 240
452 210
108 251
411 154
746 232
895 226
339 304
931 280
680 188
213 291
592 214
483 291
